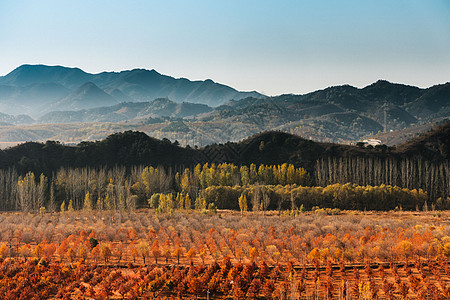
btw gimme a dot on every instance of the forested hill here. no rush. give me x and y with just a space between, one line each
136 148
433 145
120 149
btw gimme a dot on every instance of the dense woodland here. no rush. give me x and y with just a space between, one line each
224 186
411 173
279 170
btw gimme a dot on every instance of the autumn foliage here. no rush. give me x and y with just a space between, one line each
148 255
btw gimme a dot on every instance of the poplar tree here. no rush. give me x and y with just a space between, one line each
87 205
243 203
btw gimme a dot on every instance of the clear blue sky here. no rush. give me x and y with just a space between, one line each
270 46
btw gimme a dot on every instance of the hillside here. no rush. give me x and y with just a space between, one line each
128 148
132 147
128 111
433 145
341 114
204 112
31 98
86 96
60 87
421 163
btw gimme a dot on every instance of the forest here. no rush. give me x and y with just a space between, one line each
422 163
223 186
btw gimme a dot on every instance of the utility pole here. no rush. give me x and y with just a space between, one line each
385 108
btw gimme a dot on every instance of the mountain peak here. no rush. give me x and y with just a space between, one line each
90 89
163 101
381 83
35 74
136 85
88 95
88 85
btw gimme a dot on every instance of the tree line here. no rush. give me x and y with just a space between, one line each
121 188
300 198
411 173
207 186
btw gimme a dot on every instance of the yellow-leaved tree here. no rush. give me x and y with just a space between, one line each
243 203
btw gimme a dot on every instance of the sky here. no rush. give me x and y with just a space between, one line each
273 47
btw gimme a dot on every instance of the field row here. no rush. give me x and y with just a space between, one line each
144 254
33 279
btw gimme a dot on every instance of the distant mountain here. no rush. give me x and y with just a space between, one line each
397 94
86 96
205 112
434 102
164 107
25 75
128 111
341 113
31 98
136 85
6 120
145 85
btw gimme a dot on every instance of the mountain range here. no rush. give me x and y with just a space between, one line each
337 114
203 112
38 89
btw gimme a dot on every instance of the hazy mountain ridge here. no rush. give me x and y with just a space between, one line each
134 85
86 96
128 111
13 120
30 98
341 114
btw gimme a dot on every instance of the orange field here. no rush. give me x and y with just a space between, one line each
225 255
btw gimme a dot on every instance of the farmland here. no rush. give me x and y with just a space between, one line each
143 254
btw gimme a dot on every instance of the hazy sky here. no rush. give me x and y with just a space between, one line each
273 47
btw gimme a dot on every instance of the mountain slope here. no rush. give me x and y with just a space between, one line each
146 85
128 112
135 148
133 85
213 112
24 75
29 99
86 96
435 102
433 145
